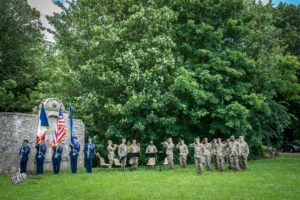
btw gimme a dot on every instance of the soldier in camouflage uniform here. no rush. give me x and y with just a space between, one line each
134 148
183 152
169 146
226 153
198 155
111 154
207 154
233 152
243 153
123 152
220 155
213 152
151 148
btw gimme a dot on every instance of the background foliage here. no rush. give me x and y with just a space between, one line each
21 47
152 69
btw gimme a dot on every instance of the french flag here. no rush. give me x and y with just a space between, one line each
43 125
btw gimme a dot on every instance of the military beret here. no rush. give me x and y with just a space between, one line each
75 137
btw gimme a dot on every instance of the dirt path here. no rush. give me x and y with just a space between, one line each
295 154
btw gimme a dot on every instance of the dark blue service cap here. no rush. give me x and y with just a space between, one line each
90 137
25 141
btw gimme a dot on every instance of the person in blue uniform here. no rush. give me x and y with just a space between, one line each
74 153
89 149
56 157
40 155
24 152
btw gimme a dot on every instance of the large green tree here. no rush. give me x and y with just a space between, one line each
286 18
228 50
122 67
21 42
154 69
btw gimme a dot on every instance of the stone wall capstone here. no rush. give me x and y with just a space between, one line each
14 127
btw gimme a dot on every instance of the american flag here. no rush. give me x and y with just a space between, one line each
60 130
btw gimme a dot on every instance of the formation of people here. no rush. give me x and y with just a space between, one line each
232 151
41 150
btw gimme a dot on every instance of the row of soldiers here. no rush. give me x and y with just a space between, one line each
234 152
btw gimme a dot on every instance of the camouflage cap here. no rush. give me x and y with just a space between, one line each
205 138
241 137
109 141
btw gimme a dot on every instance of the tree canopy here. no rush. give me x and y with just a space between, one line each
152 69
21 47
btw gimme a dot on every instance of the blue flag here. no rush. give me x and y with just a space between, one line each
72 131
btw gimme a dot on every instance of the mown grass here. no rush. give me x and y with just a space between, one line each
265 179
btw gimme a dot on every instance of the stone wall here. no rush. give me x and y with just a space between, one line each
14 127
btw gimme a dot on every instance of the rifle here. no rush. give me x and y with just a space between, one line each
88 152
56 147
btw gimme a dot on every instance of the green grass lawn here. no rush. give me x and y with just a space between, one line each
265 179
